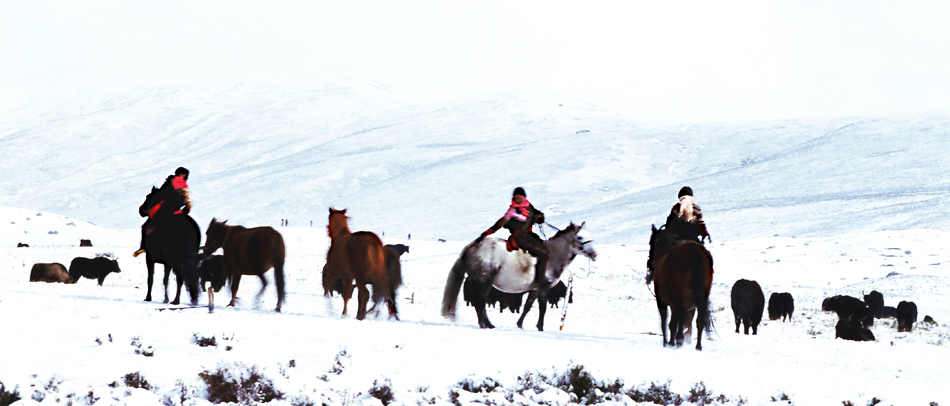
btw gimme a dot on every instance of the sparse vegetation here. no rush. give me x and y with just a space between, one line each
142 349
203 341
136 380
657 394
382 391
6 397
236 383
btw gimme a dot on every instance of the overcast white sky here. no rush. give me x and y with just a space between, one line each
682 61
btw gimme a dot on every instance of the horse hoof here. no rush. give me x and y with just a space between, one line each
148 299
176 303
278 310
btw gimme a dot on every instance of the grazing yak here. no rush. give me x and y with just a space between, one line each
50 272
748 302
558 292
399 248
213 270
906 316
85 243
781 305
95 268
22 245
510 301
848 308
875 302
852 330
889 312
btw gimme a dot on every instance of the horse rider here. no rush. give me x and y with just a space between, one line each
181 202
686 219
519 219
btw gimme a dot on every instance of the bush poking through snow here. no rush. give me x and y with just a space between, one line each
382 391
237 383
203 341
699 395
136 380
657 394
7 398
148 351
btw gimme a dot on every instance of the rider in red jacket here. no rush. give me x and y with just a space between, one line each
519 219
177 182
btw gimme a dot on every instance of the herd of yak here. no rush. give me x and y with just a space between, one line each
855 316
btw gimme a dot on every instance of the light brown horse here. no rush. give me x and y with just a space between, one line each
682 274
359 257
248 251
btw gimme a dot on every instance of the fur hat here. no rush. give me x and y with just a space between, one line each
685 191
181 170
519 191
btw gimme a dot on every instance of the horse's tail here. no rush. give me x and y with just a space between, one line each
375 271
394 280
453 284
700 281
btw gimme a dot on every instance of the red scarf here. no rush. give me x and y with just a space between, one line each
522 208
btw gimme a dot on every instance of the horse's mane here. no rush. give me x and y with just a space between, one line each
346 227
569 229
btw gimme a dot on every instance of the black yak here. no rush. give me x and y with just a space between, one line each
848 308
748 302
781 305
852 330
906 316
95 268
50 272
875 303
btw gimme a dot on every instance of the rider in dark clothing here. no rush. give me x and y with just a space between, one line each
519 219
686 218
181 201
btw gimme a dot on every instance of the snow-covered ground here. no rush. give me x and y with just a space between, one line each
70 342
420 118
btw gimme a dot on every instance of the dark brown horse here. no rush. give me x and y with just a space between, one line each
681 272
248 251
358 257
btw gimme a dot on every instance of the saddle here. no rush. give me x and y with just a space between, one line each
513 246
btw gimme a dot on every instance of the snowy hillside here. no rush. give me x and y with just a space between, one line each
260 154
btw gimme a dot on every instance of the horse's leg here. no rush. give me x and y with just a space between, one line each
700 325
532 295
263 287
235 281
479 302
362 299
542 307
165 283
151 277
347 292
179 279
662 308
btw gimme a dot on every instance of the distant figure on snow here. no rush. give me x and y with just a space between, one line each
686 218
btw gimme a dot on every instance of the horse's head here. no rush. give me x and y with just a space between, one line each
581 242
336 222
661 241
148 203
215 236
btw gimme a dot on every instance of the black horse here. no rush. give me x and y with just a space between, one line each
172 239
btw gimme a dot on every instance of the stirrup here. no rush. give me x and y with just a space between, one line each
139 252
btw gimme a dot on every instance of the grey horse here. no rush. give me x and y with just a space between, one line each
488 262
